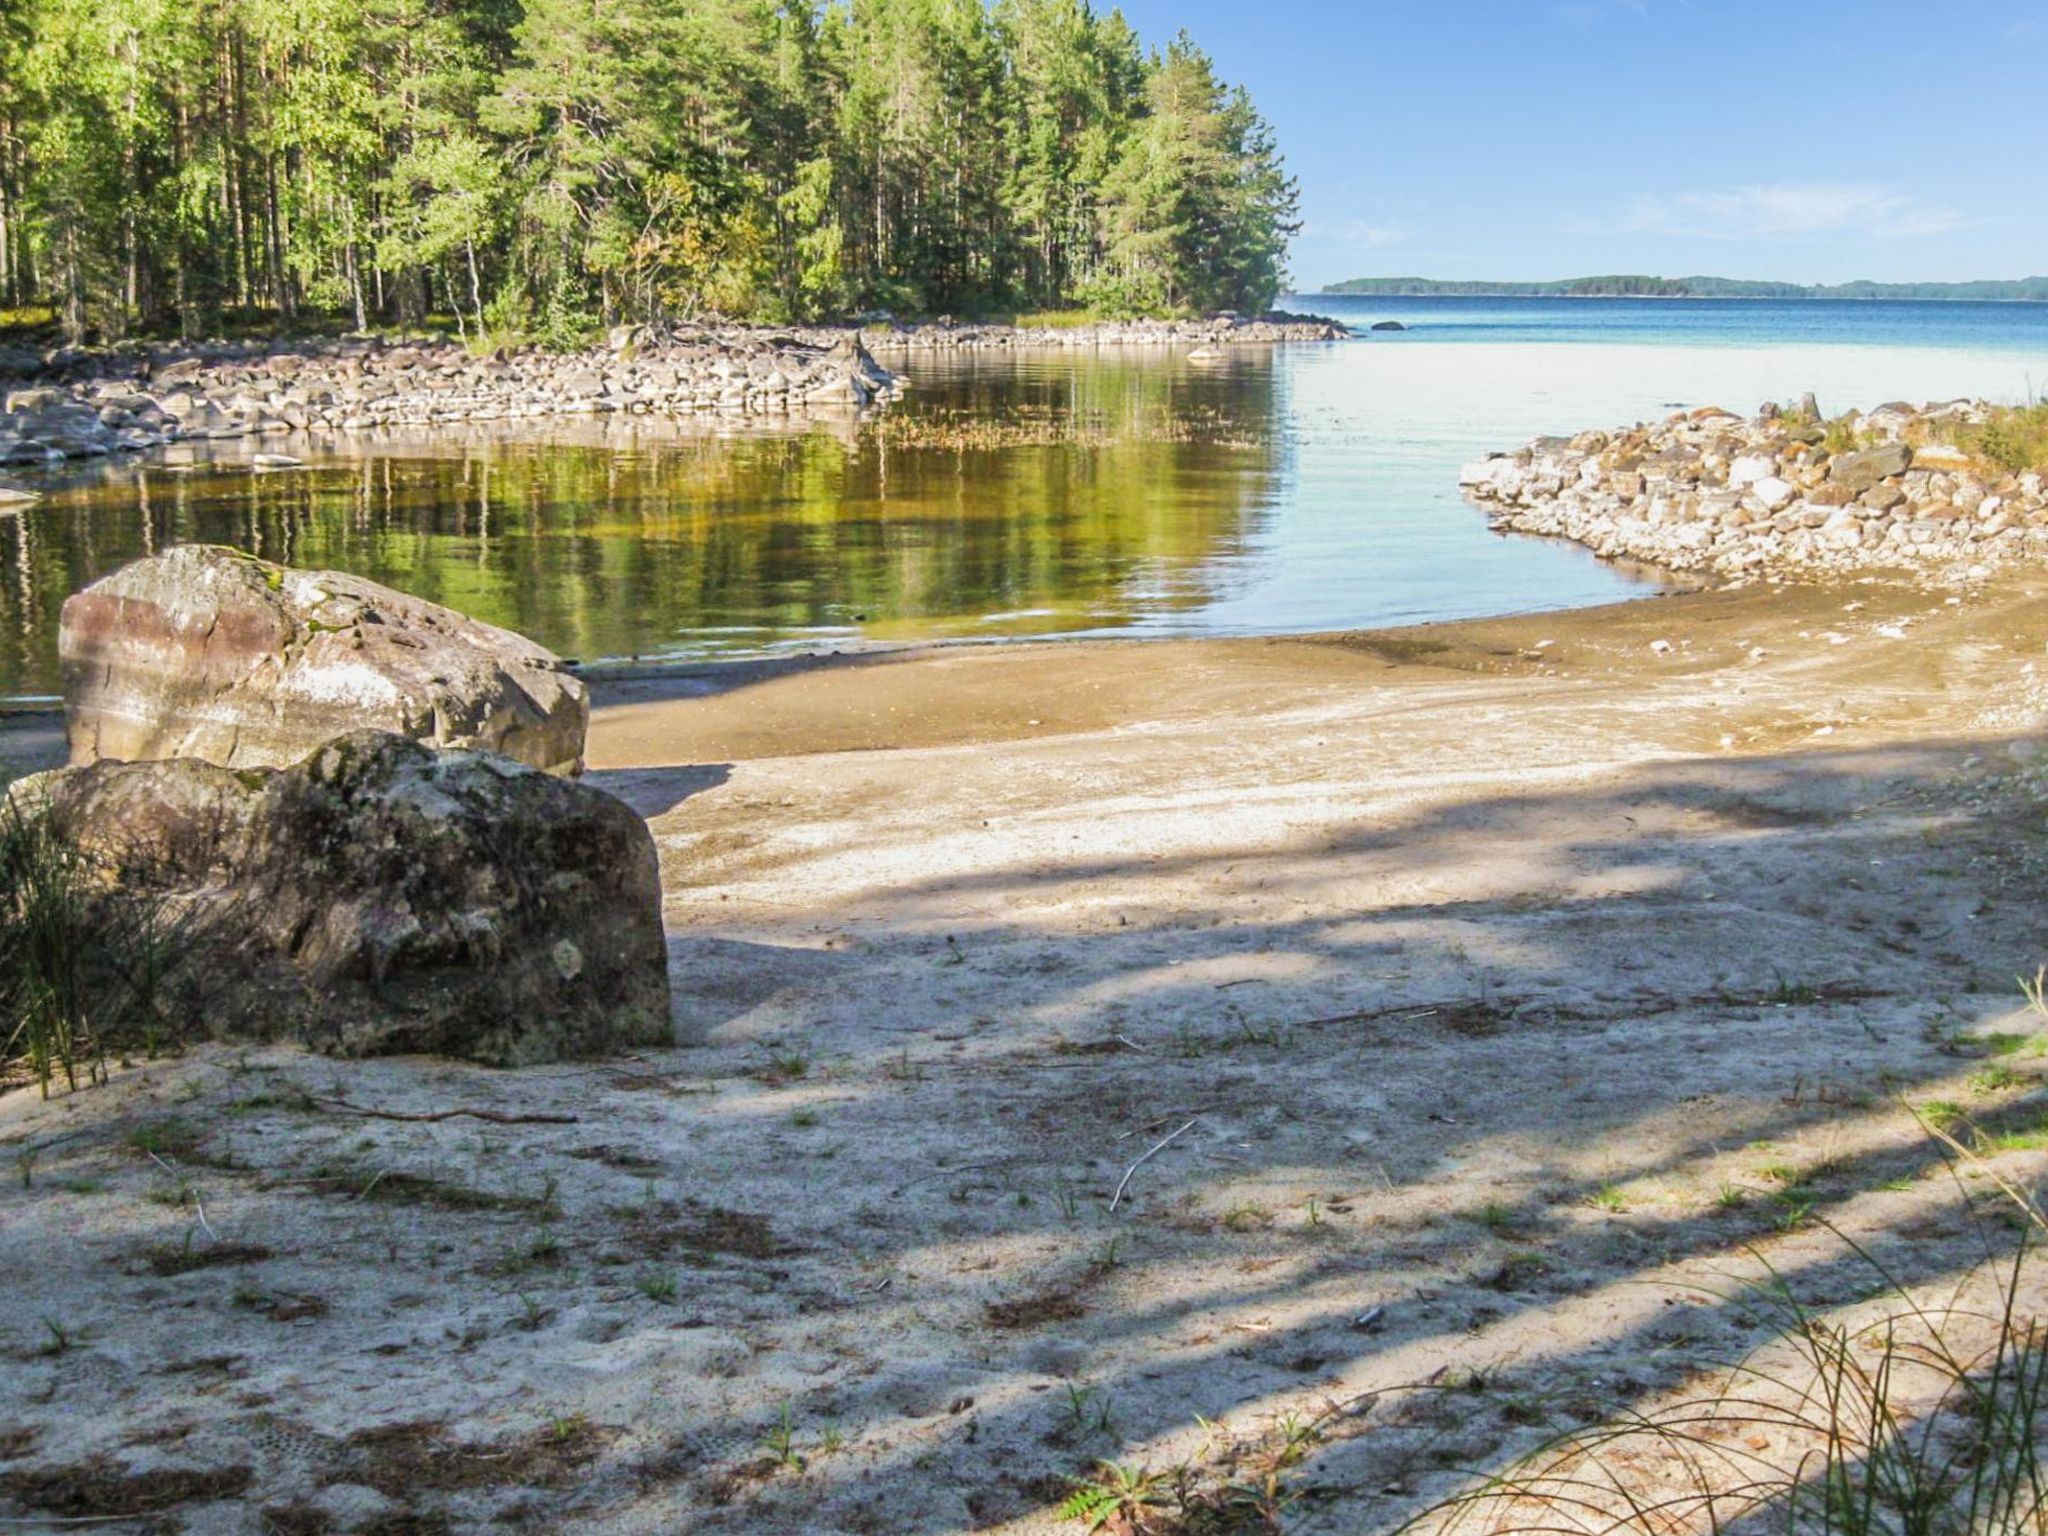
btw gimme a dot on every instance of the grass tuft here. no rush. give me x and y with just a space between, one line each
85 969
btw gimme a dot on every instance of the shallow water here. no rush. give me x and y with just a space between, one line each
1054 494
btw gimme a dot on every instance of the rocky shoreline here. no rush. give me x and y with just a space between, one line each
1785 493
1217 331
83 403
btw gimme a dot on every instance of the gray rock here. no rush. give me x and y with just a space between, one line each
209 653
1858 472
380 897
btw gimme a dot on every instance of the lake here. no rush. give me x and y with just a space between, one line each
1048 494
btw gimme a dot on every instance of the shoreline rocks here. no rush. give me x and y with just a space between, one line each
206 652
82 403
379 897
1216 331
136 397
1779 494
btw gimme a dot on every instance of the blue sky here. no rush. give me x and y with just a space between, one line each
1811 142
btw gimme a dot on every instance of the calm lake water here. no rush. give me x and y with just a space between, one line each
1306 489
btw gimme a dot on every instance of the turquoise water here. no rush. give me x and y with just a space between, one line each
1067 492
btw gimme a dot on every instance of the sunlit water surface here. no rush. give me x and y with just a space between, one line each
1305 489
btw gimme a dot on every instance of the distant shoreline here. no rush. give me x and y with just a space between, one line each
1678 298
2024 290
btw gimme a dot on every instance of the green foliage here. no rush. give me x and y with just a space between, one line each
2014 439
541 168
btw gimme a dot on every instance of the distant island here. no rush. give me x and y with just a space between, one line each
2033 289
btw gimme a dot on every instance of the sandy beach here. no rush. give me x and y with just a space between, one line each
1407 1042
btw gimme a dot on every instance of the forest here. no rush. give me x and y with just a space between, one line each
534 170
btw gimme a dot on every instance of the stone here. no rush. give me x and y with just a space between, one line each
1941 456
1883 498
1749 469
382 897
1775 494
1858 472
206 652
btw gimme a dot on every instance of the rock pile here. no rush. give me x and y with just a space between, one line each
206 652
135 397
1217 330
1784 493
380 897
76 403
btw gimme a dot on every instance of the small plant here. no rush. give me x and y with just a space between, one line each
1496 1217
1993 1079
1117 1496
1791 994
780 1442
657 1285
1246 1217
804 1119
61 1339
1940 1114
1088 1411
1731 1196
785 1064
1608 1198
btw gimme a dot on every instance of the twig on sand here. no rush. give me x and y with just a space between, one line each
1153 1125
1125 1182
197 1203
496 1117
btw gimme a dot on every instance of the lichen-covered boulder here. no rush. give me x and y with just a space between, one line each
381 897
209 653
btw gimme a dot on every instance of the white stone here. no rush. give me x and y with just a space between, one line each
1749 469
1774 493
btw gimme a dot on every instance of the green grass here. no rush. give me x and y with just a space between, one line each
87 968
1993 1079
2014 439
1928 1421
1056 319
1940 1114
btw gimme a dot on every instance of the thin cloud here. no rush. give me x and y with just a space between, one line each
1356 233
1791 211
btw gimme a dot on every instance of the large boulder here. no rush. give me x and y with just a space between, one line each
210 653
381 897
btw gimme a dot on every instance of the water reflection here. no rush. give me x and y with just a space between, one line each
1003 498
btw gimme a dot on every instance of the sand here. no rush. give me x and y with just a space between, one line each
1408 1043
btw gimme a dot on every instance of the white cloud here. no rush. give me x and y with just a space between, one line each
1791 211
1358 234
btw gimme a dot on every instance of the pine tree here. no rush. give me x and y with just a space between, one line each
550 165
